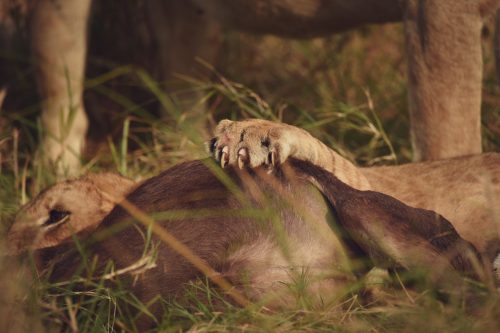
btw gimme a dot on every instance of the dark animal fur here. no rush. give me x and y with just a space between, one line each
191 186
356 209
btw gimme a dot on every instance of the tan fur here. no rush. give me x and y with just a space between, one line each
268 275
284 141
464 190
58 39
86 199
444 85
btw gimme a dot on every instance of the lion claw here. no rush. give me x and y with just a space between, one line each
224 158
242 157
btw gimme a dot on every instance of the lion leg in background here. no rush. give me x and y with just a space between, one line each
184 34
445 76
58 41
496 40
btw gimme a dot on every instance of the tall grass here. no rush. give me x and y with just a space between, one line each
348 90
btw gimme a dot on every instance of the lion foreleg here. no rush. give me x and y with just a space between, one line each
58 40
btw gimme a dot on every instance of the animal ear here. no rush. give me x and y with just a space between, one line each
112 187
113 183
106 205
392 233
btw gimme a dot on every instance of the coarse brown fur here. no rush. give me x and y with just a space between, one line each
249 250
190 189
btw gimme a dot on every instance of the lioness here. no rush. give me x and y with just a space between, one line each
443 41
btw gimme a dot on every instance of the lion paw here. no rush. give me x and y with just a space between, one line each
250 143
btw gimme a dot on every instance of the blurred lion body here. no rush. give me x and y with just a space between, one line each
442 38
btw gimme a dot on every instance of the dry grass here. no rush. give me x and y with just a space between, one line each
349 90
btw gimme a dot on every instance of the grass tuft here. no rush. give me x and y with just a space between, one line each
348 90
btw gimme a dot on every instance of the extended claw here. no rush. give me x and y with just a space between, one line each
271 158
224 159
242 157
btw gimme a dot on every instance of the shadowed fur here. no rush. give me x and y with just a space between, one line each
261 253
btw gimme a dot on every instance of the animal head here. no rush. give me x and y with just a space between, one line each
64 209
